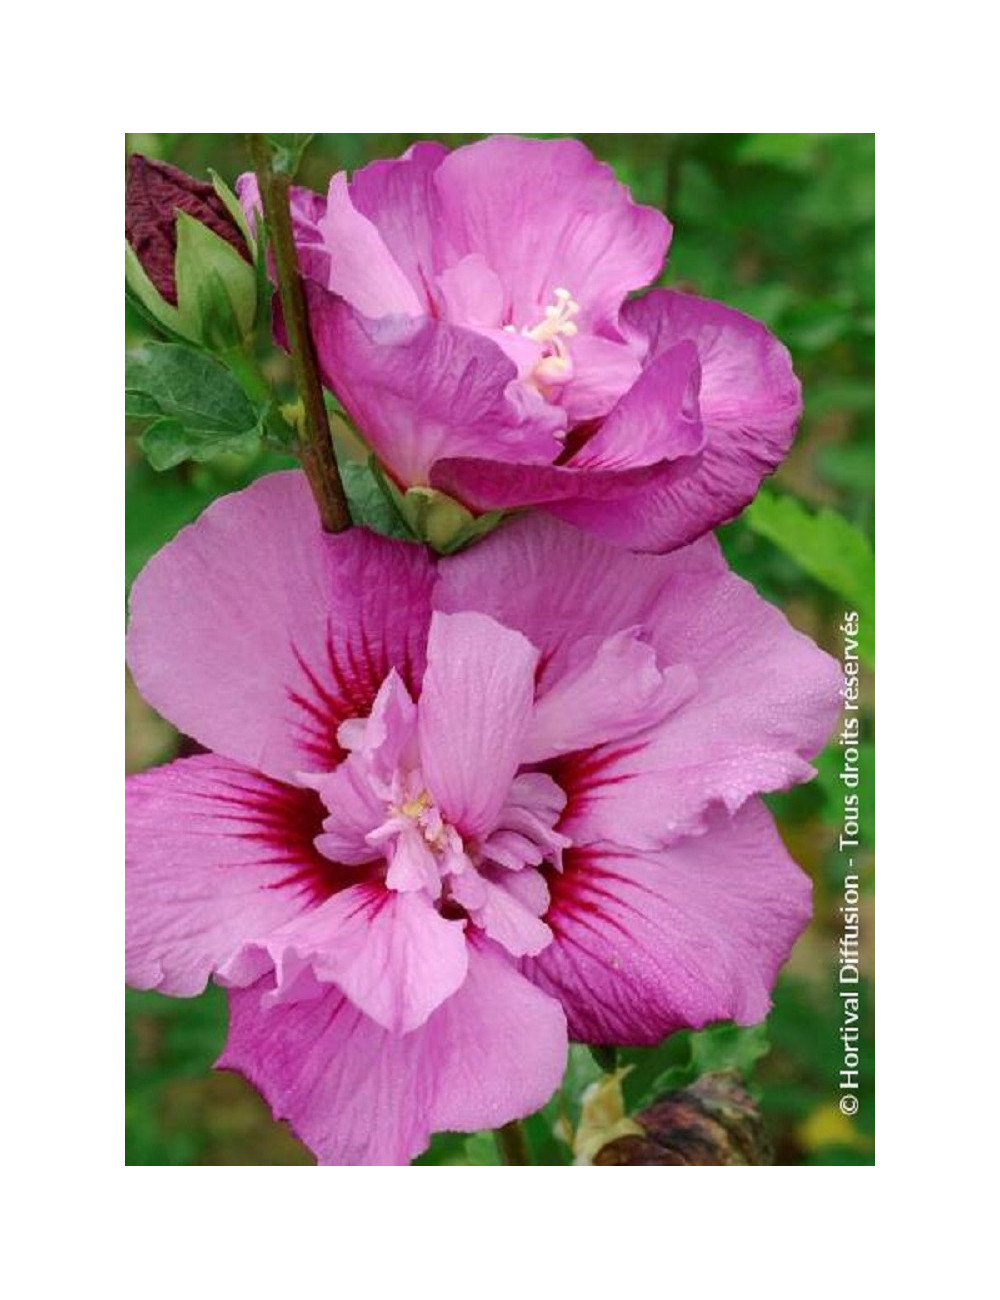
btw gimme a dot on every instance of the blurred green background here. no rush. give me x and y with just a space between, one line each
781 226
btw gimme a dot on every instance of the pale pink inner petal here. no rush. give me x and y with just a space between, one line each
362 269
472 293
613 688
506 913
393 954
474 712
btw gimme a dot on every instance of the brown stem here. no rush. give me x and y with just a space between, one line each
315 442
513 1144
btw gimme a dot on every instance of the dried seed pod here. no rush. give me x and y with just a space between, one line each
715 1121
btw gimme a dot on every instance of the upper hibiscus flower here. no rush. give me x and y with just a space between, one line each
469 310
457 810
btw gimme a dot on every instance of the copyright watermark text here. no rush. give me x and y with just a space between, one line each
848 963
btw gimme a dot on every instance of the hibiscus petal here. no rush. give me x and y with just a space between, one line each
353 792
362 270
651 434
258 634
525 830
506 916
766 696
546 214
398 197
394 955
472 293
422 389
553 583
215 856
766 700
352 811
603 369
647 945
615 690
750 405
657 419
357 1094
473 715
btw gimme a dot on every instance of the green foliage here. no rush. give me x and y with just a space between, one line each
683 1057
828 548
798 1079
198 410
166 1041
371 500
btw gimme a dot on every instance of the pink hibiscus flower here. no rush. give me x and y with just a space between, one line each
456 811
469 310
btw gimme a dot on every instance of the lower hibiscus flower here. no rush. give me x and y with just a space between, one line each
456 812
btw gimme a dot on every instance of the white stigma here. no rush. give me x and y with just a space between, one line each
554 366
558 323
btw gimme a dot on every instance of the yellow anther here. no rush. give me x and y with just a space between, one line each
415 807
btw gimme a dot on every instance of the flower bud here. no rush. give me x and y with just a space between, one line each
714 1121
189 256
439 520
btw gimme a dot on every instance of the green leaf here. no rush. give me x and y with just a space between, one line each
198 408
167 443
140 406
481 1149
683 1057
372 504
828 548
729 1047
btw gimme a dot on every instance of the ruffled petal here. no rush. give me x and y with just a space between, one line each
422 389
355 793
766 700
766 697
357 1094
613 690
258 634
658 419
506 911
215 856
393 955
546 214
554 584
646 945
603 369
652 434
750 404
398 196
362 270
473 715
